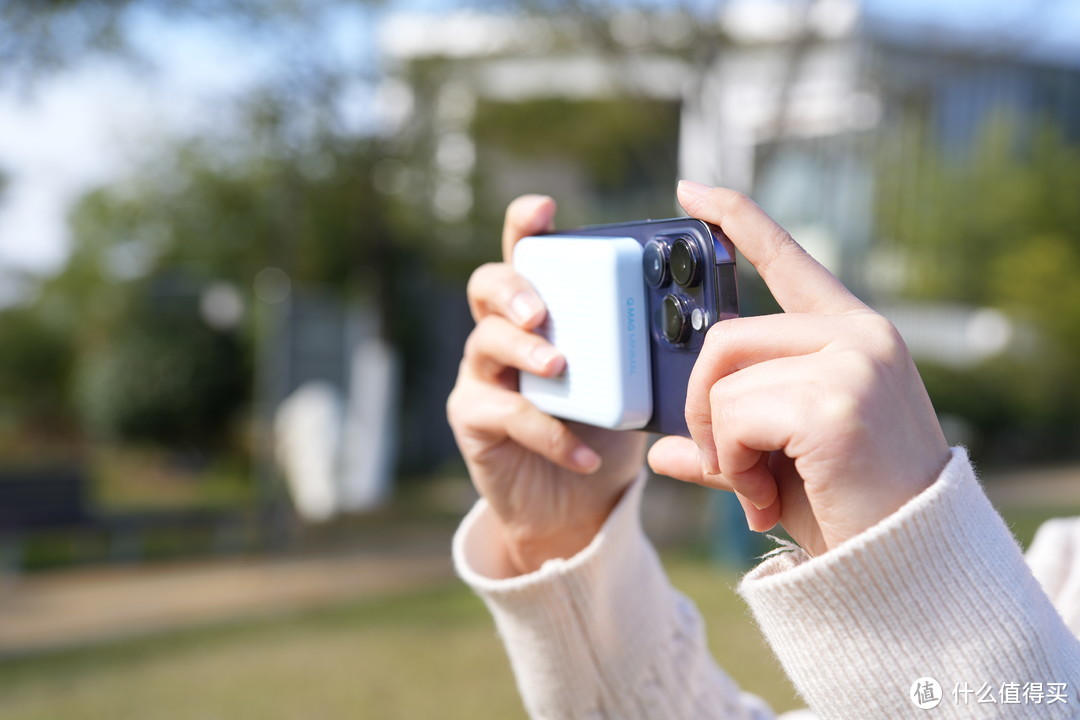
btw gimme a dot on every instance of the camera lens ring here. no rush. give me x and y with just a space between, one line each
685 263
675 319
655 264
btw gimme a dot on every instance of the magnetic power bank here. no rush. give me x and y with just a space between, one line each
594 291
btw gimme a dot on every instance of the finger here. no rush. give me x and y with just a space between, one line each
677 457
747 471
799 520
496 288
797 281
496 344
760 519
495 414
738 343
761 410
527 215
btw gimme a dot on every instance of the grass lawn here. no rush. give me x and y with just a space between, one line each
432 654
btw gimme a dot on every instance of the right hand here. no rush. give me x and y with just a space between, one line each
550 483
817 416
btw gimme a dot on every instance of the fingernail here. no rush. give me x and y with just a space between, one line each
756 526
586 459
542 356
524 307
546 217
692 190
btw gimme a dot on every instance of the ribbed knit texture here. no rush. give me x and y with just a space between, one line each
938 589
602 634
1054 558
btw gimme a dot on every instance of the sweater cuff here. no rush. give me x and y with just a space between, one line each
939 589
576 630
556 621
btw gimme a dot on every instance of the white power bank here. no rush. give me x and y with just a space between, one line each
594 291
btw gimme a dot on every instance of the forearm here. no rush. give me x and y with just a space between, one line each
939 589
602 634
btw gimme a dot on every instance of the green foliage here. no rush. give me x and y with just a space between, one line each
602 160
45 36
202 213
166 378
123 317
998 226
1036 279
35 367
285 185
958 214
312 213
619 144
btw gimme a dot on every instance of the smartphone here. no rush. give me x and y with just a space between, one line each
683 271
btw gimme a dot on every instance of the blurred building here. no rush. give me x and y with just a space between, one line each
493 106
802 104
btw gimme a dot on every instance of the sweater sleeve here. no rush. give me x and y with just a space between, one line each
1054 557
937 590
602 634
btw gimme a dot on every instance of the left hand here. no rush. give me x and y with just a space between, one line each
551 484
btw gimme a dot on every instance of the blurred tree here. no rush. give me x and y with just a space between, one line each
959 210
626 147
999 226
290 184
51 35
35 368
167 378
605 160
603 140
285 182
311 212
147 249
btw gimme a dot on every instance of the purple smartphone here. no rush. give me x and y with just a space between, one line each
689 271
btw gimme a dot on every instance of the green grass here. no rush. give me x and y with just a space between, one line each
426 654
735 641
430 654
1023 522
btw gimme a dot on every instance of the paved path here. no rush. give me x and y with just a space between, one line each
71 608
1038 487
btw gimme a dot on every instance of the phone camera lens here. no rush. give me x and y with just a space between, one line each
685 263
675 319
655 264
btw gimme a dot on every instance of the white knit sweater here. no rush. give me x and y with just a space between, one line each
939 589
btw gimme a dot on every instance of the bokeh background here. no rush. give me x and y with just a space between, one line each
234 240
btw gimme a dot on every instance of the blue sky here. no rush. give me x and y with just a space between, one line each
85 126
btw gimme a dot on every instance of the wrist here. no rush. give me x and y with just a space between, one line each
527 551
528 545
893 495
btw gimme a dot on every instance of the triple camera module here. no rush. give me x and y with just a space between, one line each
679 261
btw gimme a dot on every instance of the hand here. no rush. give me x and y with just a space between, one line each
551 484
816 417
